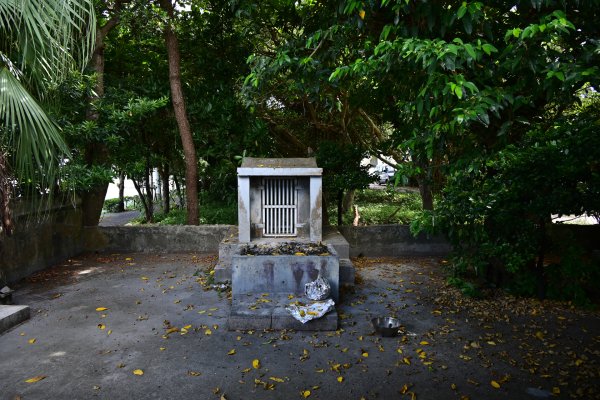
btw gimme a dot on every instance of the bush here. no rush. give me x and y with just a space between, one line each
111 206
377 207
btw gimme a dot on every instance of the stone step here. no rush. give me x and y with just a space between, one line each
257 311
332 236
347 274
12 315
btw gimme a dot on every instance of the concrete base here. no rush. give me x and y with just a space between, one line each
12 315
258 311
331 235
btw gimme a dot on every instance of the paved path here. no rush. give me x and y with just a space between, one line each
118 219
100 320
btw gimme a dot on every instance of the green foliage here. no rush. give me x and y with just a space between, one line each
378 207
81 178
111 206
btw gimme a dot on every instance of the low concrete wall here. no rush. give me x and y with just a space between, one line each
157 239
33 247
392 241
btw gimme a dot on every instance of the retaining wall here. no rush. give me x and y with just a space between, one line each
392 241
155 239
35 246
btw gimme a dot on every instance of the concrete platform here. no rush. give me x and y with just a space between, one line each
331 235
267 311
12 315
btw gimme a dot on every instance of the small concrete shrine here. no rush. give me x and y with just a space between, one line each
279 246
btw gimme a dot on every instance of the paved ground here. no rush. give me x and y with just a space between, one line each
117 219
159 319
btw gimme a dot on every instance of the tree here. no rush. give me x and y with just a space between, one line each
41 41
177 98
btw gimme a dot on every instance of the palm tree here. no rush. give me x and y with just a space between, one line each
41 42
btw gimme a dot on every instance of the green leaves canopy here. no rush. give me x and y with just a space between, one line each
41 41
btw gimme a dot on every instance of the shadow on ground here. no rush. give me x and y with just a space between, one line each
134 326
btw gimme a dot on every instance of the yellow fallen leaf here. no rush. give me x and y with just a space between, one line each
138 372
361 14
246 370
365 354
208 332
299 253
256 364
231 352
539 335
424 343
305 393
109 332
495 384
101 309
406 360
172 330
340 379
31 341
36 379
162 348
101 326
453 386
144 278
404 389
556 390
194 373
276 379
187 327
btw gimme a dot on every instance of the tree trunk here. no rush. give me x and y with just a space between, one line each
424 181
178 191
121 205
149 194
348 200
340 204
164 176
6 225
185 131
142 199
96 153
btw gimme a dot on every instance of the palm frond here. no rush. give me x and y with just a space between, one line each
35 141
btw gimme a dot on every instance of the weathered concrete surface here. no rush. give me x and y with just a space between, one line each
156 239
283 273
33 247
391 241
258 311
12 315
447 339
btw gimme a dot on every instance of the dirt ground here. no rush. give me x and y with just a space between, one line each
147 326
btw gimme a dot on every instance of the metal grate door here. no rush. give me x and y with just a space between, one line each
279 206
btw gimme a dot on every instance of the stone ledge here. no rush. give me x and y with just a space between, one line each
12 315
269 313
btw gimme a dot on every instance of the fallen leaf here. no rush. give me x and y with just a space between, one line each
423 343
256 364
365 354
340 379
194 373
101 326
305 393
101 309
231 352
495 384
109 332
138 372
31 341
276 379
208 332
36 379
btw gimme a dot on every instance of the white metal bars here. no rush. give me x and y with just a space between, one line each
279 199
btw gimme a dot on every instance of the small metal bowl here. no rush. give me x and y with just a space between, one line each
386 326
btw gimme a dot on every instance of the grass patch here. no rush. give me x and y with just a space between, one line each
377 207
